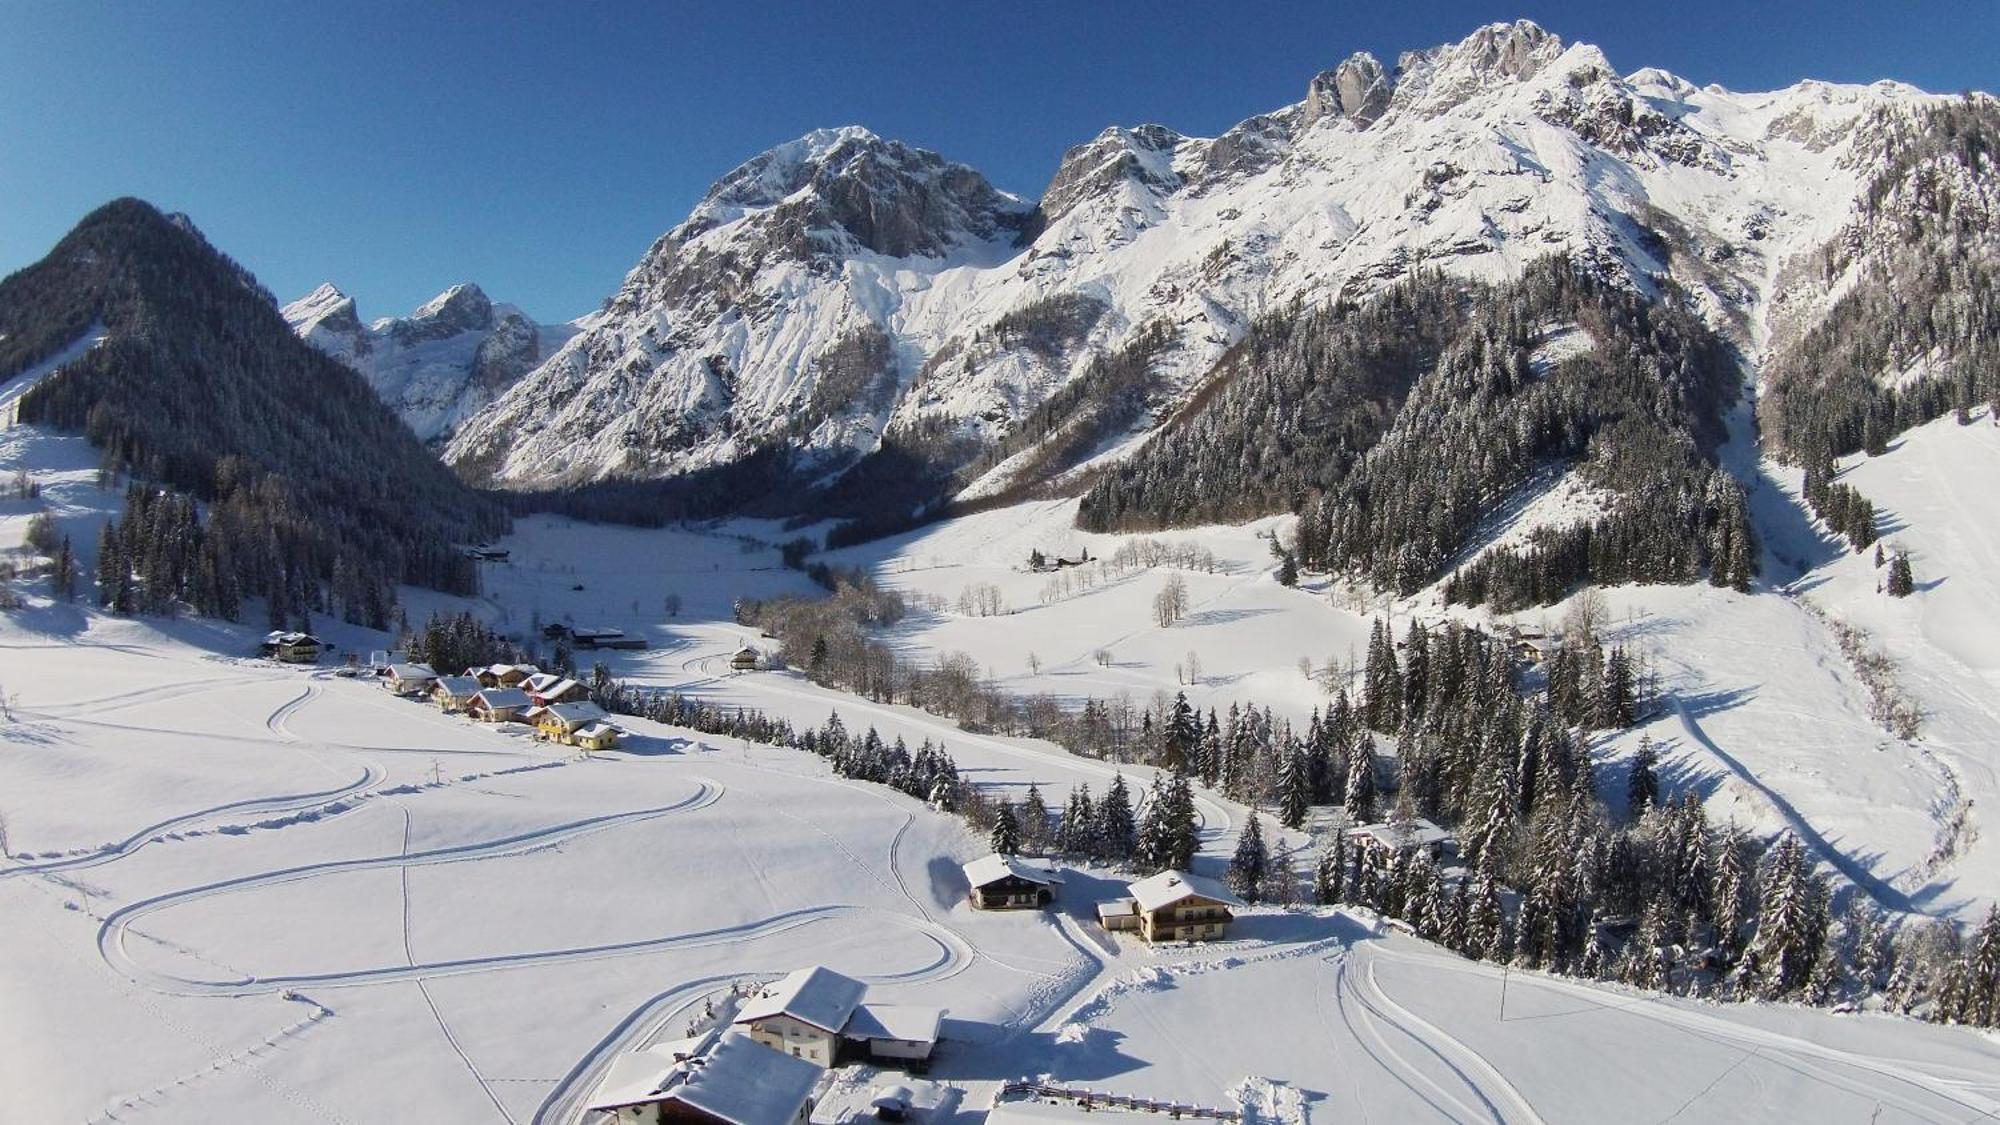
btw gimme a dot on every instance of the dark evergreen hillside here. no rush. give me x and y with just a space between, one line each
1394 428
201 386
1928 292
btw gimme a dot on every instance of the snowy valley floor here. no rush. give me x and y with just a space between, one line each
234 890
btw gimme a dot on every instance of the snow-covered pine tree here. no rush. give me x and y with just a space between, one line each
1360 794
1006 837
1116 829
1642 785
1034 820
1248 867
1294 787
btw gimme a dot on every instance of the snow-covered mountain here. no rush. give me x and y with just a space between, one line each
440 364
842 287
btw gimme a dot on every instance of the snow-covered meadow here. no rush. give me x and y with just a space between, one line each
234 889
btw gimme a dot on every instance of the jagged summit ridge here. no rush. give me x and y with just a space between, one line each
840 287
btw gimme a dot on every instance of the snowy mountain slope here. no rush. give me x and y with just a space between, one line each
767 319
440 364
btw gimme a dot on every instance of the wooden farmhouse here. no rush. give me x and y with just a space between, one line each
1172 906
546 690
292 647
1001 882
497 705
745 660
409 679
505 675
453 692
596 736
712 1079
818 1015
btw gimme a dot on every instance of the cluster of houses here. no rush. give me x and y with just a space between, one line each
1168 906
764 1068
558 707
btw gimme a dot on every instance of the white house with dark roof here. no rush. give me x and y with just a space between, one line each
821 1016
720 1078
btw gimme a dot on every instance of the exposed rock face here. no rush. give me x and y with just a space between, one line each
841 287
1357 89
437 366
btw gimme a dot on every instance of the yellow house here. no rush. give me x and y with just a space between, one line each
1172 906
562 722
596 736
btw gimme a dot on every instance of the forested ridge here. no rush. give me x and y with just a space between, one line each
200 387
1393 428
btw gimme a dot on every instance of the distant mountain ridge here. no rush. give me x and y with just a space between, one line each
437 366
315 494
843 295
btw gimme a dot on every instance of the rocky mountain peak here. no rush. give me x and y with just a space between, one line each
324 308
878 195
462 308
1143 155
1358 89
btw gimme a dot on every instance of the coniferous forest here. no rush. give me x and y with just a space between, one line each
1394 428
311 491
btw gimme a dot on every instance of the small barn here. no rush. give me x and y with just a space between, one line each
497 705
713 1079
1002 882
745 659
453 693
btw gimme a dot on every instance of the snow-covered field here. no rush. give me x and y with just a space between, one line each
236 890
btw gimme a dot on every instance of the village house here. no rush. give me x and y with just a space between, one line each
497 705
1001 882
596 736
453 692
505 675
547 691
819 1015
1172 906
563 722
604 638
409 679
292 647
745 660
1388 838
712 1079
382 659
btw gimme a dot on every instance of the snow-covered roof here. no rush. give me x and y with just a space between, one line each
577 714
284 637
559 687
1415 833
1116 907
458 685
541 680
906 1022
597 730
412 672
735 1079
818 996
993 868
504 669
1169 887
503 697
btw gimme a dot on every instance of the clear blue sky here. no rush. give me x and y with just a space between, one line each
539 148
